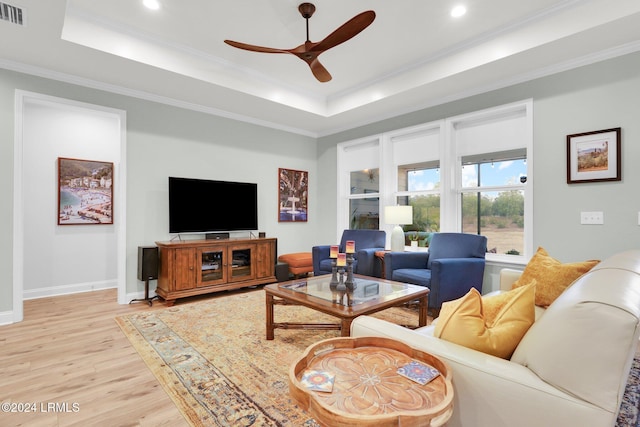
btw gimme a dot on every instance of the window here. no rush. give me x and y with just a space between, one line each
492 199
364 199
419 186
470 173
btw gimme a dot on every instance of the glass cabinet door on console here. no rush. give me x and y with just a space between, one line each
212 266
242 262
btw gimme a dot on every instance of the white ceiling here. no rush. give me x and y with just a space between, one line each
414 55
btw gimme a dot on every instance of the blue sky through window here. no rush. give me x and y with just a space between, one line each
492 174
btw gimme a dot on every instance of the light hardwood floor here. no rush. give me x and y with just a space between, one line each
70 351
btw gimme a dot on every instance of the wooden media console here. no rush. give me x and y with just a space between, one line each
195 267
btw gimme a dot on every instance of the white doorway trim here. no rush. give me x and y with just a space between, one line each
21 99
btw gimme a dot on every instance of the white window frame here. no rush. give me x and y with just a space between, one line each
451 150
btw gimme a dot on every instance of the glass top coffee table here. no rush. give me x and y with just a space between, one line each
369 295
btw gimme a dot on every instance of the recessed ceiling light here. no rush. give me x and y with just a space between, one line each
151 4
458 11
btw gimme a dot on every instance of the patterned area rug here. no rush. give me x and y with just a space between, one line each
212 358
629 409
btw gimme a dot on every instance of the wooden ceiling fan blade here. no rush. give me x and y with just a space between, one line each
349 29
319 71
254 48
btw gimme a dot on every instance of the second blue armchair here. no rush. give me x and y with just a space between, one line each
454 264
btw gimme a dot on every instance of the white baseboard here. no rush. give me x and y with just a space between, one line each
6 318
69 289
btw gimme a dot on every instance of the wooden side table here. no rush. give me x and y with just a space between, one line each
380 256
367 390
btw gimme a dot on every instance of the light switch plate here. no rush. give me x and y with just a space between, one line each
591 218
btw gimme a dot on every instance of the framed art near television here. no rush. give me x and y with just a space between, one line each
293 193
85 192
594 156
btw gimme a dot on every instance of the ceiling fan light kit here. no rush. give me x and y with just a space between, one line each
309 51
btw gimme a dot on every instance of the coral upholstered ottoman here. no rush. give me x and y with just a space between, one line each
300 263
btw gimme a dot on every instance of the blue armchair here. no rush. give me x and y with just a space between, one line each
367 243
454 264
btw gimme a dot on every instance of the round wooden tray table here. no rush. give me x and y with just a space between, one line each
367 390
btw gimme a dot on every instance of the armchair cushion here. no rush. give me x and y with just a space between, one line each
552 276
496 331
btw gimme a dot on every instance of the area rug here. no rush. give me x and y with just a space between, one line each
213 360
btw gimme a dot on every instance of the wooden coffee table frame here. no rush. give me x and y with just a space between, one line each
276 294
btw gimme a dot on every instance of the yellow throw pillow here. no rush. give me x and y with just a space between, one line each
552 276
464 322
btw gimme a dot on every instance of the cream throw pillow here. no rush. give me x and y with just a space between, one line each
497 331
552 276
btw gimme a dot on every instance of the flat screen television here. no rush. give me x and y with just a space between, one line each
200 205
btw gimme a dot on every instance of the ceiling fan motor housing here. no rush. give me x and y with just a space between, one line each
306 10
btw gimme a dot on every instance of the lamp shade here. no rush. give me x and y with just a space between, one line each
398 214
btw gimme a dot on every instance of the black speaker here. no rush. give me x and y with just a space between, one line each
282 272
216 236
147 262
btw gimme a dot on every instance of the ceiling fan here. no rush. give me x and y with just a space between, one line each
309 51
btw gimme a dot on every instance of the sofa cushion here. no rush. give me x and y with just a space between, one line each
552 276
584 343
496 332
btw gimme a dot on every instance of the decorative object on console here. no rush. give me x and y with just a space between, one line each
85 192
398 215
552 277
464 321
293 193
594 156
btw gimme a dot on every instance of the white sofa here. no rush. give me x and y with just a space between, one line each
571 367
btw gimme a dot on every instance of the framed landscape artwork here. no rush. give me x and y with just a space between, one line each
594 156
293 193
85 192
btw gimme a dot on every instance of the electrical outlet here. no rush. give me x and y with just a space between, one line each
591 218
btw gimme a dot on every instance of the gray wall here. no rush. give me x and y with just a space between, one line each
162 141
594 97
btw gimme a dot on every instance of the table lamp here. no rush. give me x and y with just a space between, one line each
398 215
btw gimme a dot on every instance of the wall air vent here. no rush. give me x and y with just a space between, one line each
12 14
